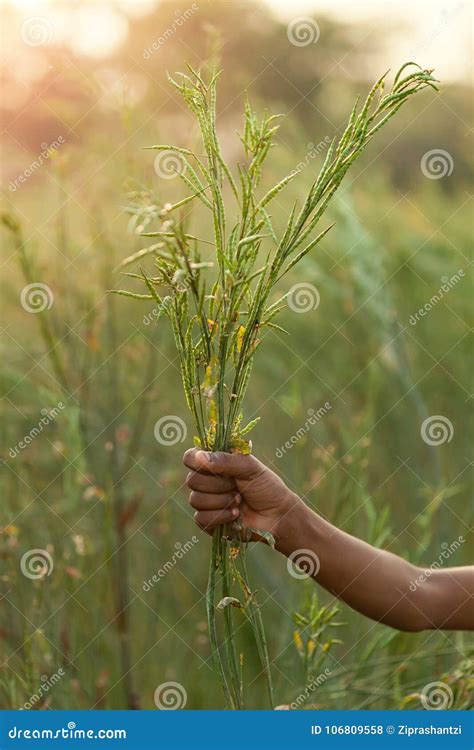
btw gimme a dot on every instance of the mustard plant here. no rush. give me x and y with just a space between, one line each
220 307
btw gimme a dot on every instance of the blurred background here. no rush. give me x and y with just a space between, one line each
85 375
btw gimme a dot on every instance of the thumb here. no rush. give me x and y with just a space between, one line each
236 465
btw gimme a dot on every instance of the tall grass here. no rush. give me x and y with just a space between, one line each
219 309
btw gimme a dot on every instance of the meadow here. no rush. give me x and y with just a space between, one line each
94 422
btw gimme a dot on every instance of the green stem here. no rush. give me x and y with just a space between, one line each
211 613
255 618
228 626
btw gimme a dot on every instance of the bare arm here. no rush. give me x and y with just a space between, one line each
376 583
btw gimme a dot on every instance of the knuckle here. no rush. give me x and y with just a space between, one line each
192 480
195 500
188 455
198 520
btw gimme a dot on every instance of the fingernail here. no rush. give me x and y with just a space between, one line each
235 512
205 455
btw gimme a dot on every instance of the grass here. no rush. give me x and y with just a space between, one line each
220 309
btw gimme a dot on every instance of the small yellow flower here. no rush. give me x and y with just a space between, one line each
298 641
240 337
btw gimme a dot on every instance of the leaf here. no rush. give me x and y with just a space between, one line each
267 536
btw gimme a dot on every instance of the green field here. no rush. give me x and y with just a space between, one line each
107 501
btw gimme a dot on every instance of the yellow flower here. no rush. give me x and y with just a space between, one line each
298 641
240 337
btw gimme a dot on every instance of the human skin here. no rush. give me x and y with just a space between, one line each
375 582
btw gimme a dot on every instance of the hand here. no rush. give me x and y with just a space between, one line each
226 486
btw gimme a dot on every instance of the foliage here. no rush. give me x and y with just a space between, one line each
218 327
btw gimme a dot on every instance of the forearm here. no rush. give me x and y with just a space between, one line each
375 582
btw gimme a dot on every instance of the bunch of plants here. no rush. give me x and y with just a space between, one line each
218 295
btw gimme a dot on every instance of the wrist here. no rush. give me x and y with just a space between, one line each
294 517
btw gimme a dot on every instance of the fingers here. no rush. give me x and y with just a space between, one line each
235 465
208 483
203 501
207 520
